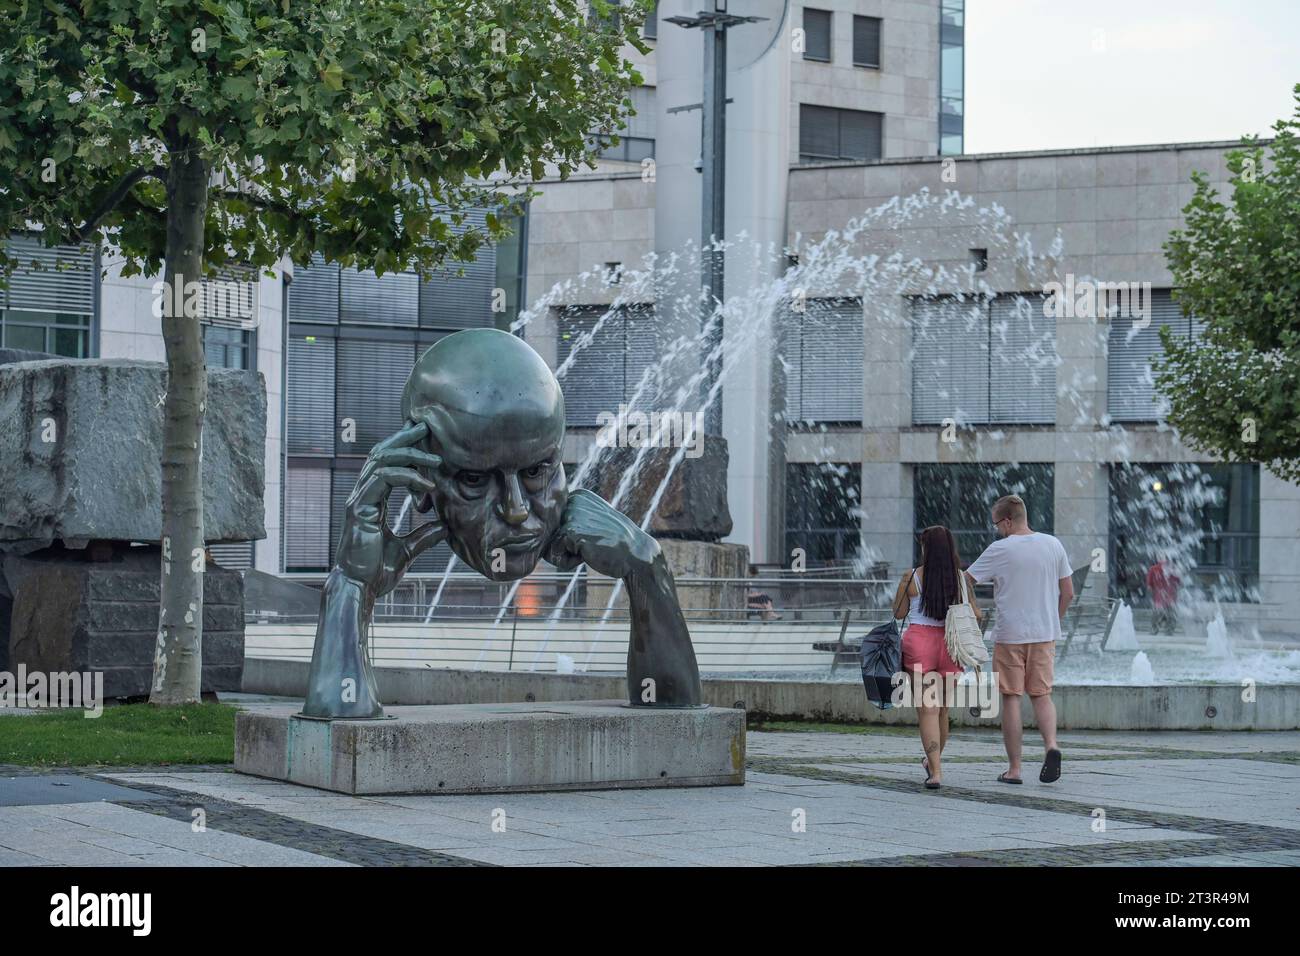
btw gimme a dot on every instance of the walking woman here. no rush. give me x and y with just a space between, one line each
924 596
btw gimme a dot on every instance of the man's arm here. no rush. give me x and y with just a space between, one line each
1065 579
1067 595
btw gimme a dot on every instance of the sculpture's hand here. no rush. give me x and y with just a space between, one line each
368 550
594 532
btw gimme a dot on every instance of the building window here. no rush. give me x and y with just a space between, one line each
224 347
960 497
637 140
866 41
980 361
823 511
58 333
353 339
457 296
817 35
606 358
1201 518
610 22
1131 351
952 77
827 133
628 149
48 304
821 355
650 29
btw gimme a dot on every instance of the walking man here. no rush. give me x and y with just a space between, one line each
1031 591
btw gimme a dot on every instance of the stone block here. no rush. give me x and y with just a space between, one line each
694 505
497 748
80 456
72 614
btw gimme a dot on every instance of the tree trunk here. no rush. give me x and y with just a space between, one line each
178 661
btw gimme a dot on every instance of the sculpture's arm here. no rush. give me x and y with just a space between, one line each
341 683
369 562
661 666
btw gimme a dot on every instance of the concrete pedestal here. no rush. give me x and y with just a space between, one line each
497 748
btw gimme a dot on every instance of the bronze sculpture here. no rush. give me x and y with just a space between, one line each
481 445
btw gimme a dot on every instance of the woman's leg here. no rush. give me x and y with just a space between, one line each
943 728
928 718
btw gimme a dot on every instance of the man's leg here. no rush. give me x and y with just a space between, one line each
1012 734
1039 674
1009 665
1045 714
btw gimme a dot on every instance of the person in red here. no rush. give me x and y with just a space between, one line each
1162 585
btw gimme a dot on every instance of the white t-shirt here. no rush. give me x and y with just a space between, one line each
1025 570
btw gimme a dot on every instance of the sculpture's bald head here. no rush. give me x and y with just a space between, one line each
496 418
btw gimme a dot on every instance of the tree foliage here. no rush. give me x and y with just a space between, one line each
1235 390
197 133
333 126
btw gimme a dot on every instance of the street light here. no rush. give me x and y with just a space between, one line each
713 25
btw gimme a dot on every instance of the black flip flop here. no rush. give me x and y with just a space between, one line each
1051 771
925 764
932 785
1003 778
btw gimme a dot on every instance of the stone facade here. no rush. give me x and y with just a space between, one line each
1112 209
73 614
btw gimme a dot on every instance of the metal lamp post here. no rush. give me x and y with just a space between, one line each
714 25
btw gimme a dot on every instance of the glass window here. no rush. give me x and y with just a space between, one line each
610 22
960 497
866 41
982 361
57 333
823 511
952 76
608 358
225 347
1203 519
827 133
817 34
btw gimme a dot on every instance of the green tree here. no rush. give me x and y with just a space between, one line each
197 133
1235 391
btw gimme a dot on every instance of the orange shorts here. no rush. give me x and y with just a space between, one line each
1025 668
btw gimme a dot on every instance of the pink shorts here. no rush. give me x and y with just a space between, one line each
924 647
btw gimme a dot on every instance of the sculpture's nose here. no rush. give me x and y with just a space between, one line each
513 508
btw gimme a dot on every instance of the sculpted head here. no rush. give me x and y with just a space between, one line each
496 418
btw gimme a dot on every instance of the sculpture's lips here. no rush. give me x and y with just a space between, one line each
524 542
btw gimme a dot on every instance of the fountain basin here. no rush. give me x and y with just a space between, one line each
1170 706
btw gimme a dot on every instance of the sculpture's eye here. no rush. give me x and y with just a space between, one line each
535 476
472 482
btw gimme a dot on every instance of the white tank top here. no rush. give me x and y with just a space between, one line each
916 615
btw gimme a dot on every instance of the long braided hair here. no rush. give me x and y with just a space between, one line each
940 566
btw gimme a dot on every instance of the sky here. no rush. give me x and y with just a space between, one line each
1056 74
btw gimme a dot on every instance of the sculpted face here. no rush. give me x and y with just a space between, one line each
496 418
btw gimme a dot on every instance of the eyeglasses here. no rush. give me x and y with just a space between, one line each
998 522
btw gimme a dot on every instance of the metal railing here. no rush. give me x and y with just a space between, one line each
478 624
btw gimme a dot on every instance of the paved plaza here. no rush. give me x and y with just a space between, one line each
1126 799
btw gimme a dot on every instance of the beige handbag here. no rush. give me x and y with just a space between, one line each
961 631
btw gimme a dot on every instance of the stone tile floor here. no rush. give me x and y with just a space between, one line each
1126 799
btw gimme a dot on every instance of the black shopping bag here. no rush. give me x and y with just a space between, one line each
882 656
